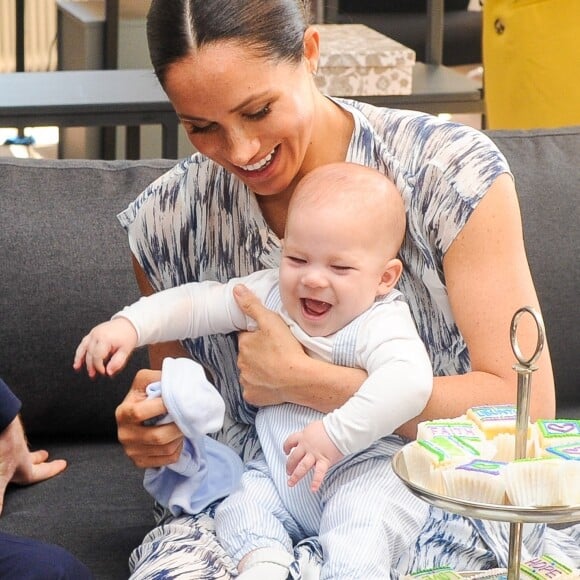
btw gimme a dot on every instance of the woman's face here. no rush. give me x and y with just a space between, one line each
251 115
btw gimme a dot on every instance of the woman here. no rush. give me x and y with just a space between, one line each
240 77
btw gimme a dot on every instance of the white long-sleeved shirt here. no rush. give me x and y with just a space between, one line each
388 347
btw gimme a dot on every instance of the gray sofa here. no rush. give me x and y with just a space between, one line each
65 266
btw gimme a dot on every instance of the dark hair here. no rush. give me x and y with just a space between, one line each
273 28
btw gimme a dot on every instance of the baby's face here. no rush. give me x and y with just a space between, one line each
331 269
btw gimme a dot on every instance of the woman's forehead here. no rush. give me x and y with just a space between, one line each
225 76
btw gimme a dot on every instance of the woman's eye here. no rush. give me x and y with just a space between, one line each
192 127
197 129
259 114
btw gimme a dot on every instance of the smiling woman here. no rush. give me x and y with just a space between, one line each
335 289
239 75
256 118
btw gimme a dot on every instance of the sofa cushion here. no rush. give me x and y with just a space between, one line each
99 523
65 267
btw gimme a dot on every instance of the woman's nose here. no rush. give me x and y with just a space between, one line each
242 147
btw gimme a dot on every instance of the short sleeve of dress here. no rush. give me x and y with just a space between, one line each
442 170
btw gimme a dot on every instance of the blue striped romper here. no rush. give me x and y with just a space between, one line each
363 515
198 222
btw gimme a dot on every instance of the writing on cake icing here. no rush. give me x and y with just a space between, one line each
443 448
544 567
495 412
448 429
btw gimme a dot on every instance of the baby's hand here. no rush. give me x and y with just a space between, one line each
307 449
110 343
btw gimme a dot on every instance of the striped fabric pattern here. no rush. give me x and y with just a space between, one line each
197 222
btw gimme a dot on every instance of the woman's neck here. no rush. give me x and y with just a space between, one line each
275 209
331 138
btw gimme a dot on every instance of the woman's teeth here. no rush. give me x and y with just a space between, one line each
260 164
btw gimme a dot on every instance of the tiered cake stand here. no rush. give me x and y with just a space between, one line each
515 515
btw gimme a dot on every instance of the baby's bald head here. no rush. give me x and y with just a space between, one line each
361 194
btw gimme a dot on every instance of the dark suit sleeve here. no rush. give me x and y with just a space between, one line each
9 405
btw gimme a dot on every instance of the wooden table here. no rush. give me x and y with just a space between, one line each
84 98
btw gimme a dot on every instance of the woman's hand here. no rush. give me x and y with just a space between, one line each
146 445
275 369
269 355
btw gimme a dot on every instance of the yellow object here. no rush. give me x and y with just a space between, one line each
531 62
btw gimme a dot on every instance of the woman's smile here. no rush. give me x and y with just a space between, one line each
262 130
260 165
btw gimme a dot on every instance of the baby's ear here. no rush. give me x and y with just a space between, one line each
391 274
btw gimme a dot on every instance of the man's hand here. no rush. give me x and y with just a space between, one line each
18 464
309 449
268 356
146 446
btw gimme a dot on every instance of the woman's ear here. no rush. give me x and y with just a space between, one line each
391 274
312 49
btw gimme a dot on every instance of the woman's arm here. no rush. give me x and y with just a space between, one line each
488 279
148 446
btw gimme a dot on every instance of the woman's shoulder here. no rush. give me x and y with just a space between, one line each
410 145
196 170
186 185
406 131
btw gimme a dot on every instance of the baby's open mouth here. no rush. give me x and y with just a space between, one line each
315 308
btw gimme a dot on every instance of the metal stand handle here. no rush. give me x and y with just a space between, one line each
524 368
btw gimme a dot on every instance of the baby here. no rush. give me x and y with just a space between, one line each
335 289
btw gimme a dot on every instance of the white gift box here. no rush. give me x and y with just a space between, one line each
356 60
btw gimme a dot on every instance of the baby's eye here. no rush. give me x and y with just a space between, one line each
341 269
296 260
259 114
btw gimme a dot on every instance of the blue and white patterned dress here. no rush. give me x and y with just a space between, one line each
198 222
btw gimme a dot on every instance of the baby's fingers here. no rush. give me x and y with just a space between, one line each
95 364
97 354
320 470
303 467
80 353
117 362
295 456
